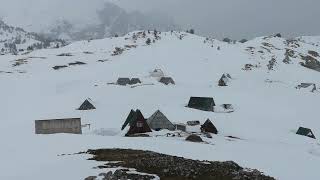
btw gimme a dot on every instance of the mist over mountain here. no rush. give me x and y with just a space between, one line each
111 21
16 39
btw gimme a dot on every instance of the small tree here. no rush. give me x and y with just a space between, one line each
191 31
148 42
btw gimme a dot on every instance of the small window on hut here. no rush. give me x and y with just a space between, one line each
139 124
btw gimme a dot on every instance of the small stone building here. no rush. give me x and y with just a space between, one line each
53 126
123 81
159 121
201 103
166 80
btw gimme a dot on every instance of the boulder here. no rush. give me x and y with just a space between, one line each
194 138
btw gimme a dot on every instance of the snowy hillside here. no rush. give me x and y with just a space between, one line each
269 105
14 40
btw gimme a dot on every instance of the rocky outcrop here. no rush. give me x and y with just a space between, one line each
310 62
170 167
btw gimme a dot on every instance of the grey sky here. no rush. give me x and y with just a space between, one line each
238 18
217 18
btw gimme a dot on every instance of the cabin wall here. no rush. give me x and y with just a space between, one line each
54 126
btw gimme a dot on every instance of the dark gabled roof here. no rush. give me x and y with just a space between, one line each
131 117
86 105
139 119
201 103
209 127
167 80
123 81
134 81
305 132
159 121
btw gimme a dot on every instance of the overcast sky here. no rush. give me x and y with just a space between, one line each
217 18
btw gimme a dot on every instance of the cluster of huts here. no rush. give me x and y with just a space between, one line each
128 81
157 73
137 125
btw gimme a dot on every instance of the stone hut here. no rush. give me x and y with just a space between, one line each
53 126
201 103
159 121
166 80
123 81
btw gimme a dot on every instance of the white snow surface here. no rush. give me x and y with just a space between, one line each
266 116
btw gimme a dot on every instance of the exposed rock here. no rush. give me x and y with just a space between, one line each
59 67
19 62
249 67
117 51
91 178
313 53
65 54
172 167
310 62
194 138
287 55
271 64
278 35
77 63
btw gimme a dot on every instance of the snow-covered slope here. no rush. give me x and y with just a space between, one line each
268 107
14 40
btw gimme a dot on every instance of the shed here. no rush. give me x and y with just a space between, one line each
134 81
123 81
305 132
87 105
53 126
225 78
159 121
209 127
181 127
201 103
166 80
138 124
193 123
